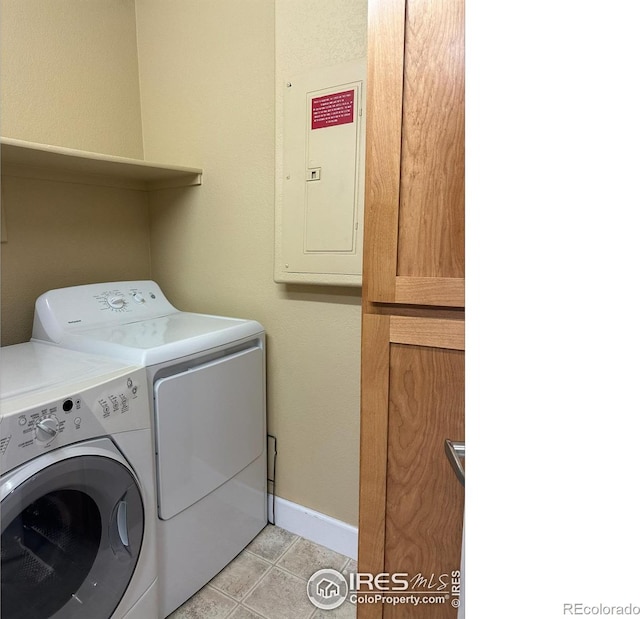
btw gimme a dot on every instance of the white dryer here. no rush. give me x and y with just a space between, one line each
76 484
206 381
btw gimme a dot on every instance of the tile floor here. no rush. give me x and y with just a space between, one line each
268 580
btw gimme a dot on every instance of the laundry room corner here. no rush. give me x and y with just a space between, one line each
194 84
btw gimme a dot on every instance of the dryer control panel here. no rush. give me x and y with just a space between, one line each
105 408
67 310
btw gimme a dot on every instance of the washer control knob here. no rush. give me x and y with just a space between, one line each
116 302
138 298
47 429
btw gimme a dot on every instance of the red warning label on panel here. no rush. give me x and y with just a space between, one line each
331 110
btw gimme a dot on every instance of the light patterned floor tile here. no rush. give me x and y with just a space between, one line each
237 579
351 567
265 591
304 558
344 611
244 613
271 543
280 595
206 604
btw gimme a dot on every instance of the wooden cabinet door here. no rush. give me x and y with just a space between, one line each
411 503
414 221
424 498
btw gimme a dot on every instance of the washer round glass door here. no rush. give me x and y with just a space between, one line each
71 537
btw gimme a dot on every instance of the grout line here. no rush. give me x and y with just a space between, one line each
286 571
286 548
246 597
273 567
255 586
270 561
229 598
232 610
250 590
207 585
255 554
340 569
291 547
313 611
254 612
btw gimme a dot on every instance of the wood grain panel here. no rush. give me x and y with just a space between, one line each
373 449
418 311
384 126
433 332
411 503
442 291
425 501
431 220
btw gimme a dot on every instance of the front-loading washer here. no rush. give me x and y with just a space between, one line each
76 487
206 382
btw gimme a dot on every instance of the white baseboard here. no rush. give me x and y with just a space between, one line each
312 525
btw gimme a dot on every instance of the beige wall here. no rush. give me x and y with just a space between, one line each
69 74
207 87
321 416
69 77
65 234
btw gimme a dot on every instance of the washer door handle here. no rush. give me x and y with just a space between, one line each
121 519
119 527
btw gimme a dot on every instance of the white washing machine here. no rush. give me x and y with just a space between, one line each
206 380
77 489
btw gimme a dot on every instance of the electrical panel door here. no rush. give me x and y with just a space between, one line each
319 222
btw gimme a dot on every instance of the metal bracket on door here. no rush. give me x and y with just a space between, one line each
455 451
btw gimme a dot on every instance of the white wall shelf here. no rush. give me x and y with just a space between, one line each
31 160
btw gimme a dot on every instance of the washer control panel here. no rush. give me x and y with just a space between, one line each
117 405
